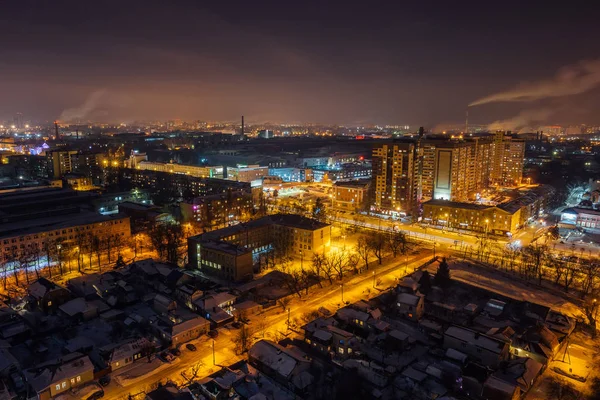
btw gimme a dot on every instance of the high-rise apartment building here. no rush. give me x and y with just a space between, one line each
407 173
60 162
508 159
393 173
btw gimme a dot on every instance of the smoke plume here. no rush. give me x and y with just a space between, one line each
92 104
570 80
523 121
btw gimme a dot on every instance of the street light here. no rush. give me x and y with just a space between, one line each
288 321
373 279
213 349
342 286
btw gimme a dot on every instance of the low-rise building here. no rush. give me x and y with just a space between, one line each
247 173
48 295
351 195
52 378
411 306
128 352
184 331
232 252
487 350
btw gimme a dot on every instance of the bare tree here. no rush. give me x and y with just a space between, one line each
195 373
284 303
363 250
377 242
243 339
316 266
396 242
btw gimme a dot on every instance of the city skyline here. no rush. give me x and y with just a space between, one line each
330 63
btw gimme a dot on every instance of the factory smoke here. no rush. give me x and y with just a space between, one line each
570 80
524 121
91 104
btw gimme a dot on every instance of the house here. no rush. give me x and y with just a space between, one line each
128 352
47 295
487 350
350 316
497 389
182 332
79 309
218 308
187 295
55 377
520 373
537 342
410 306
289 367
163 304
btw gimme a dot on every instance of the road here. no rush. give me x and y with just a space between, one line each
272 324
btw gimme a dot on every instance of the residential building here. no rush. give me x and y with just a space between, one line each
351 195
60 161
128 352
48 295
291 174
218 210
508 160
411 306
54 377
472 217
289 367
393 177
582 218
487 350
180 332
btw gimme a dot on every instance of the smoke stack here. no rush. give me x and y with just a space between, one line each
56 129
242 124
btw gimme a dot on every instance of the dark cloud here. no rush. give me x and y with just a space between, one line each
343 62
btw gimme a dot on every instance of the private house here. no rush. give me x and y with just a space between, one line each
218 308
289 367
128 352
537 342
182 332
52 378
47 295
187 295
411 306
79 309
487 350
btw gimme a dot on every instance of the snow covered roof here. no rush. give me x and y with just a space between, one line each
413 374
407 298
350 314
477 339
189 324
497 388
275 357
322 335
77 306
43 376
128 349
456 355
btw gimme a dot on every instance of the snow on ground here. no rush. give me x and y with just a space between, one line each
140 371
508 286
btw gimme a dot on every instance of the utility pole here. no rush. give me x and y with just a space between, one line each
213 349
342 286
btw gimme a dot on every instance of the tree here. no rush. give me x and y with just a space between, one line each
425 282
316 266
194 373
377 243
319 211
590 309
284 303
559 389
396 242
363 250
442 276
243 339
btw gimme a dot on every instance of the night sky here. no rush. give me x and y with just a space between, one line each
282 61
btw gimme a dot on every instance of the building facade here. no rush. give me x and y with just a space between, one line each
393 177
351 195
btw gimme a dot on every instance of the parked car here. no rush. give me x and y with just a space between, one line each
166 356
90 391
176 352
213 334
190 347
105 380
324 311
